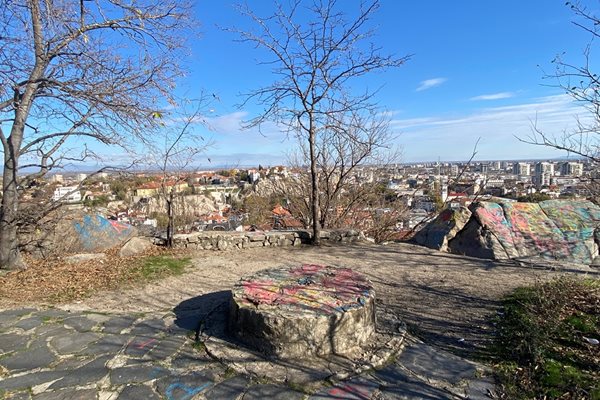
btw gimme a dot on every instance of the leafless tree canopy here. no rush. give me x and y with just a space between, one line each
314 64
175 153
582 84
77 71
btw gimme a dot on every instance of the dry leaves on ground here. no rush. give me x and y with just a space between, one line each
48 281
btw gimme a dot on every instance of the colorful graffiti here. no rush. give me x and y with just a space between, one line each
98 233
554 229
180 391
308 287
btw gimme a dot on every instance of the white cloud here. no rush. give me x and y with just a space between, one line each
494 96
453 137
430 83
228 123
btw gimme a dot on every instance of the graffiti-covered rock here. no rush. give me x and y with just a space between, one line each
444 227
562 230
92 233
306 310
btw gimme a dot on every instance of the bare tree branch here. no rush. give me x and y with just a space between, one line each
314 64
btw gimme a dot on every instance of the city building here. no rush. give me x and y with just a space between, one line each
521 169
454 170
67 194
571 169
544 171
57 178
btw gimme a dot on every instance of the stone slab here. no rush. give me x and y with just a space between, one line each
37 356
149 327
397 384
229 389
93 371
118 324
54 313
30 380
68 394
138 392
12 342
8 317
106 344
80 323
433 364
184 387
189 359
136 374
261 392
167 348
29 323
73 342
141 345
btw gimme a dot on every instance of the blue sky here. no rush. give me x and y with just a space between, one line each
476 71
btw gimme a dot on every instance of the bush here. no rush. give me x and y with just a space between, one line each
542 341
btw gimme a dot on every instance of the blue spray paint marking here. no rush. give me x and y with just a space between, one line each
85 232
96 232
189 391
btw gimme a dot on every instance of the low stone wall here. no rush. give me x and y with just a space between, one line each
245 240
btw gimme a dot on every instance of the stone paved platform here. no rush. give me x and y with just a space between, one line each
55 354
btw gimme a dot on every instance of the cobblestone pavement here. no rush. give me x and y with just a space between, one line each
55 354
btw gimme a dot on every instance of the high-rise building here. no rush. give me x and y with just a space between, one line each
543 173
81 177
521 168
454 170
571 169
58 178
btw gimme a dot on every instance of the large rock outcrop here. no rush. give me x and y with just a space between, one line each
93 233
563 230
443 228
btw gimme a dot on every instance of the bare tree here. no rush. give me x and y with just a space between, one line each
582 84
73 71
175 153
345 146
317 53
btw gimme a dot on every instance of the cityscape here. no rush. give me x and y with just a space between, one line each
299 200
216 198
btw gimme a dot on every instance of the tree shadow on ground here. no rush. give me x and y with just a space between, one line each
191 313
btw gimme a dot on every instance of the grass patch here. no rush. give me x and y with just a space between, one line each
229 373
540 351
161 266
199 346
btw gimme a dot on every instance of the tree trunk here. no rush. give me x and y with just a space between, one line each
10 257
314 177
171 218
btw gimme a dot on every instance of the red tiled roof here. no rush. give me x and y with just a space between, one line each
280 211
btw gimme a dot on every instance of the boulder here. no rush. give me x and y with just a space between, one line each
561 230
84 257
94 233
135 246
443 228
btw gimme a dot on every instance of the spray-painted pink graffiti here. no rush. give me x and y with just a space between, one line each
120 227
554 229
306 287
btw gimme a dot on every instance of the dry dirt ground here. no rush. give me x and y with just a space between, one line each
447 300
